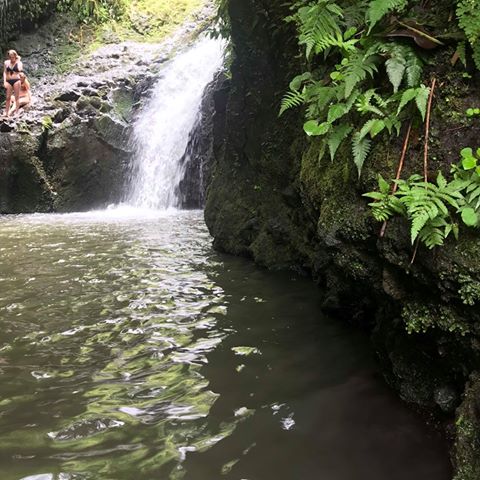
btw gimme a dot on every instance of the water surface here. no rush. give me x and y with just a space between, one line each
130 350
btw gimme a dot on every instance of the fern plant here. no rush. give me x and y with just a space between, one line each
428 207
468 14
434 210
351 102
379 8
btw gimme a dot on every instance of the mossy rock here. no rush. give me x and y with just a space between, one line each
467 444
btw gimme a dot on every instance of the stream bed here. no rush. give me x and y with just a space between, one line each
129 349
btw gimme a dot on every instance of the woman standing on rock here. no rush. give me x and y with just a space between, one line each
11 79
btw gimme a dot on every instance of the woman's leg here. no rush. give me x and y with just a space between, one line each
16 91
9 99
24 104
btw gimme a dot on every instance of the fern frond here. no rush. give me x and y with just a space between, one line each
421 99
357 68
318 25
396 67
364 103
476 54
320 96
379 8
292 99
385 204
414 67
419 220
468 14
336 136
433 235
402 60
360 149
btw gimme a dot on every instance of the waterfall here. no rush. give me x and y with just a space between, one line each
162 128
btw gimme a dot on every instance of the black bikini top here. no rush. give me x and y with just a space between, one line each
13 69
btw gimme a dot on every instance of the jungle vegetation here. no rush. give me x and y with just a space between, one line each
365 77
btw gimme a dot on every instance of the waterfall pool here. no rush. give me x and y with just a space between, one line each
131 350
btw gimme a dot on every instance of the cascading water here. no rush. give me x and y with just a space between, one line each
162 128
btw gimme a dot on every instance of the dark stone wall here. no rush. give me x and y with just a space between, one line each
253 207
273 199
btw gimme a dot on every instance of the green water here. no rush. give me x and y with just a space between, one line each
129 349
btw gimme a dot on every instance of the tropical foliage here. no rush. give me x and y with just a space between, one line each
351 49
434 210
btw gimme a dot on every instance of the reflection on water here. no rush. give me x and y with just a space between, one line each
129 349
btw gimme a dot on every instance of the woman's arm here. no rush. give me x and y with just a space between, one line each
20 66
5 73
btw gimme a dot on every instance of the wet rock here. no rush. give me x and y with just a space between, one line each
71 96
467 444
22 179
6 126
446 398
61 115
198 157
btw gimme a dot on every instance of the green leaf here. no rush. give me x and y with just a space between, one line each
441 182
468 163
292 99
350 33
297 82
360 148
383 184
379 8
336 111
469 217
367 127
377 127
395 71
466 152
312 128
336 137
422 99
407 96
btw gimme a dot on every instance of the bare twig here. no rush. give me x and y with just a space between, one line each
399 171
427 131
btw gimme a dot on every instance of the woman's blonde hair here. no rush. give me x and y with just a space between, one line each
14 52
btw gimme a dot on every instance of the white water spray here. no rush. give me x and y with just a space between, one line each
162 129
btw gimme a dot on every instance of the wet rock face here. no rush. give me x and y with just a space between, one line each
249 206
467 444
71 150
271 198
198 158
65 156
22 182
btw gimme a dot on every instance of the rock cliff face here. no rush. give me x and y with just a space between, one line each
72 157
272 199
71 150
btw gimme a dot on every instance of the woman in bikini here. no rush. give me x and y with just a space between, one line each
11 79
25 98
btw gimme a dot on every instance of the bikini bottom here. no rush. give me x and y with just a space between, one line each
13 81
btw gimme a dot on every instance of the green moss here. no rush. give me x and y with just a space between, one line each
123 104
47 122
66 56
469 290
467 443
419 318
147 20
